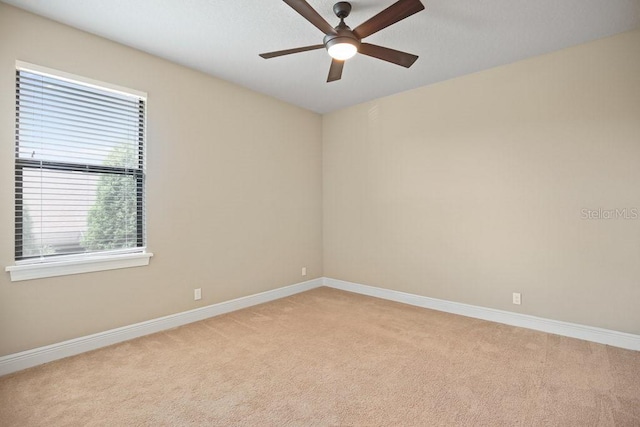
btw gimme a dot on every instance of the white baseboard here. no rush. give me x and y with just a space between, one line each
588 333
37 356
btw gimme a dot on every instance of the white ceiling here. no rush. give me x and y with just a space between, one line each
452 37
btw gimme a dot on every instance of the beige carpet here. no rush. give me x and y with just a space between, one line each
332 358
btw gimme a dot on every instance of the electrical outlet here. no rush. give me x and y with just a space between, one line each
304 271
516 298
197 294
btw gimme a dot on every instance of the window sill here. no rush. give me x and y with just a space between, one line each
77 266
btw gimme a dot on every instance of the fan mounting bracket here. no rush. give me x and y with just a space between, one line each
342 9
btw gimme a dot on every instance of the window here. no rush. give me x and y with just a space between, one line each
79 170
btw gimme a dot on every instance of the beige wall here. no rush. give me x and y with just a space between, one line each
233 191
472 189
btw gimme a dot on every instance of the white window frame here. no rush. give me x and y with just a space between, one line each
52 266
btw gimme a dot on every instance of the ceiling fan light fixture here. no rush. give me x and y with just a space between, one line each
342 48
343 43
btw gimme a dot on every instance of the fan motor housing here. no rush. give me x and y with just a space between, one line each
344 35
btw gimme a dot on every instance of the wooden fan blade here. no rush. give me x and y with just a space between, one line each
390 55
394 13
335 72
290 51
310 14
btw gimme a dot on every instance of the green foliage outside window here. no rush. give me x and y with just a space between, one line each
112 221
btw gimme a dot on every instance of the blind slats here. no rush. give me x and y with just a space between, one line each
59 119
46 85
79 168
31 101
44 127
36 140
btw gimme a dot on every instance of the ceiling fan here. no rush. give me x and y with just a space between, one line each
342 42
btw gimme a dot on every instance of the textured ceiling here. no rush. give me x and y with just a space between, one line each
452 37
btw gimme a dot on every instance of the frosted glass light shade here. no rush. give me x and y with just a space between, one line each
342 51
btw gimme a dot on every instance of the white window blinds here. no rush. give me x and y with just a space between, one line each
80 168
